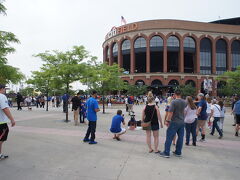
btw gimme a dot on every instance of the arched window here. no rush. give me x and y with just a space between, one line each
115 53
126 56
189 55
189 43
156 82
235 54
156 41
173 41
115 49
221 56
126 45
205 56
172 54
156 54
140 43
140 55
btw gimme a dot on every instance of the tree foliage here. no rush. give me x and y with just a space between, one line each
7 73
187 90
233 82
2 8
135 90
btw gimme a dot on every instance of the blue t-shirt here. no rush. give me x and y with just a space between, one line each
116 124
203 114
237 107
92 104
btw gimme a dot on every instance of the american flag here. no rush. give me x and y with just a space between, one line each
123 20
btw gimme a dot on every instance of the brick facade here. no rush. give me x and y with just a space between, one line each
180 29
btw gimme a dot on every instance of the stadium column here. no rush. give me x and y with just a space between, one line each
181 57
214 64
120 64
165 55
229 57
148 57
111 55
197 65
132 58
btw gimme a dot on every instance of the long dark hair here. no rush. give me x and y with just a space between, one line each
220 103
190 103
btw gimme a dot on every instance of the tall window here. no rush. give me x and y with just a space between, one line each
235 54
140 55
221 56
172 54
115 53
156 54
126 57
189 55
205 56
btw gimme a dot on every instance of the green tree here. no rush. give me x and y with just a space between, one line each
233 82
187 90
136 90
104 78
28 91
2 8
7 73
65 68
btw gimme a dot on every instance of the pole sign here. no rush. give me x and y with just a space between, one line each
122 29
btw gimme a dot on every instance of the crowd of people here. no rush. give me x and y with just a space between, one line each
188 116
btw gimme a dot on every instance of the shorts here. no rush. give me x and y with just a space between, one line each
123 130
4 132
238 119
153 127
201 123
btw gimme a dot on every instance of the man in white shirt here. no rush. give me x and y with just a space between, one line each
216 113
5 116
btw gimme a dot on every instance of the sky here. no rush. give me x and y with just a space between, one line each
61 24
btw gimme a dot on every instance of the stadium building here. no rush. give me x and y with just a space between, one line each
166 53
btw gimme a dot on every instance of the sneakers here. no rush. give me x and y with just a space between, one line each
162 154
194 144
236 134
3 156
86 140
177 155
187 144
92 142
220 137
201 140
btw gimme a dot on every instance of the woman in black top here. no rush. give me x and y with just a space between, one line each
151 114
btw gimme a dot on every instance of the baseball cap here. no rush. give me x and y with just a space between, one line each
2 86
201 94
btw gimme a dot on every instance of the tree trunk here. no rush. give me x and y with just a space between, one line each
103 104
47 101
67 89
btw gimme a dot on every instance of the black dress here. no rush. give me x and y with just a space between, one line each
149 116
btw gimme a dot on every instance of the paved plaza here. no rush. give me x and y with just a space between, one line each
43 147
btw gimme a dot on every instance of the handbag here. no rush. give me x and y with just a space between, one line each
147 124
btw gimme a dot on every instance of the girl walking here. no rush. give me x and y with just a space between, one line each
216 113
190 121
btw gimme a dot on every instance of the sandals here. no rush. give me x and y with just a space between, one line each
150 151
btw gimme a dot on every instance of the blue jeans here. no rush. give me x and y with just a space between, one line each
215 125
171 132
191 129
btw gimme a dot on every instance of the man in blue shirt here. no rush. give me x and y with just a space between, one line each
92 109
116 125
236 111
202 115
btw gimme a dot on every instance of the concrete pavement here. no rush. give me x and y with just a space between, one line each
42 146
